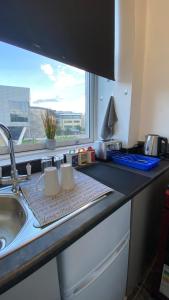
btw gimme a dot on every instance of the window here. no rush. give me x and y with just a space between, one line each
29 85
16 118
68 122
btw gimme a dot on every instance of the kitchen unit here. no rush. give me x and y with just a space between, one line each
95 266
141 91
145 212
92 247
145 221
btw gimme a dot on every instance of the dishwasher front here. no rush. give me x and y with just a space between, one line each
95 266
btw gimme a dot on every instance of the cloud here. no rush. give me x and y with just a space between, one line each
48 70
68 86
66 77
67 80
54 100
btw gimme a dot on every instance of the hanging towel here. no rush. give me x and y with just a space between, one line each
109 121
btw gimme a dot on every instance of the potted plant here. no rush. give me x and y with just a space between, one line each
49 123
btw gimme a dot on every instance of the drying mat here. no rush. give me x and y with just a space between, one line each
48 209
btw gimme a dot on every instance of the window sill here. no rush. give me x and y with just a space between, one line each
38 154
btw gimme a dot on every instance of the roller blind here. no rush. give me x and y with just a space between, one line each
76 32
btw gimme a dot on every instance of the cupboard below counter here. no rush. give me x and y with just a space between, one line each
89 253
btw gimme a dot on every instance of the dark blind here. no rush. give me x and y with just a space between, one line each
76 32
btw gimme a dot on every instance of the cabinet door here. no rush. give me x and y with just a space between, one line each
86 253
145 218
79 33
107 281
41 285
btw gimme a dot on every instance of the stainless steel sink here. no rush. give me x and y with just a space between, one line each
12 219
18 224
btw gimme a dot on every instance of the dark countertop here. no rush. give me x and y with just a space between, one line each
121 180
127 183
154 173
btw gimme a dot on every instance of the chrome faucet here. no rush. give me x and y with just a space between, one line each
15 188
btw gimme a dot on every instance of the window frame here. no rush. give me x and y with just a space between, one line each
89 114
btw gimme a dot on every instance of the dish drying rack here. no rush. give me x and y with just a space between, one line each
136 161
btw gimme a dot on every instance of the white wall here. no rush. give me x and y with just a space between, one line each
121 88
138 70
141 89
155 95
130 36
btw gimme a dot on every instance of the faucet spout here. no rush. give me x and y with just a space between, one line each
12 158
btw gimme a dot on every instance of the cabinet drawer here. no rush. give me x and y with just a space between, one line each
86 253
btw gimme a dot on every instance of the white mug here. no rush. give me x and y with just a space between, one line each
51 181
66 177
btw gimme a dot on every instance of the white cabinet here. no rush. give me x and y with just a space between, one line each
95 266
41 285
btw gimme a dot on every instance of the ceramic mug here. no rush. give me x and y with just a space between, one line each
51 184
66 177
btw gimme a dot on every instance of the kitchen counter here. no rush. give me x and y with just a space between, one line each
121 180
153 173
127 183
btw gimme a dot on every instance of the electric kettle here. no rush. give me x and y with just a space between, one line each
155 145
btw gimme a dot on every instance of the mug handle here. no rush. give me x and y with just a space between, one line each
38 182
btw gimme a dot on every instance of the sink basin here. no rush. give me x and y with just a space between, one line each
12 219
18 224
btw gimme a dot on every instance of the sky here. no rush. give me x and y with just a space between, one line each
52 84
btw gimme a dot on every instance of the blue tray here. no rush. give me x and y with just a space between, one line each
136 161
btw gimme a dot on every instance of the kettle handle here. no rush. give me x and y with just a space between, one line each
165 140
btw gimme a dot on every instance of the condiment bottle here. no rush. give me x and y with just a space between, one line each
90 155
82 156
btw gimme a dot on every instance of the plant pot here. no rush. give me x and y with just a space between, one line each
50 144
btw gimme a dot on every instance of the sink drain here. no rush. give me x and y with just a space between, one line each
2 243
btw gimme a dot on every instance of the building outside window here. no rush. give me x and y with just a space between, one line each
29 85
